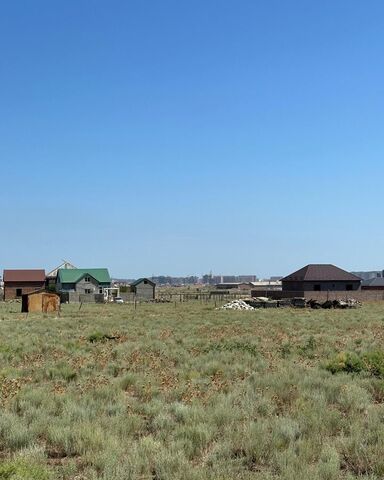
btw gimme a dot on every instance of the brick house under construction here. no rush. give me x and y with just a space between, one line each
320 278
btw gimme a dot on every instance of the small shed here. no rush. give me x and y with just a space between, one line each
40 301
144 289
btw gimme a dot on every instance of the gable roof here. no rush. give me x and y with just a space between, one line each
321 272
24 276
73 275
64 265
139 280
374 282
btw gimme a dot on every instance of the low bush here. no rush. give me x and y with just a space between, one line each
20 469
350 362
96 337
345 362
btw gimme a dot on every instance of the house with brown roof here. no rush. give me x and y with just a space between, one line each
19 282
320 278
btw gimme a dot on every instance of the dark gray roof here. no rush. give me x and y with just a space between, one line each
321 272
139 280
374 282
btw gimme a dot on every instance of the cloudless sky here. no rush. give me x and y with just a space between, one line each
178 137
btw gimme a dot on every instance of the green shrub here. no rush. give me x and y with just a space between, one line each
374 362
345 362
370 362
96 337
21 469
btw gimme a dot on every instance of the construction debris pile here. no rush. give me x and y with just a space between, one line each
264 302
348 303
236 305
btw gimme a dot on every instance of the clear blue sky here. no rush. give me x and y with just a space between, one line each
178 137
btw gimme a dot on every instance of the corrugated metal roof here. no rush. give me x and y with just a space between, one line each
321 272
65 275
24 276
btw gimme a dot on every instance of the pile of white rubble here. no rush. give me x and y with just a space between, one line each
236 305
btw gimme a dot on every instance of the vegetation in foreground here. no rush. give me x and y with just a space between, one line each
192 393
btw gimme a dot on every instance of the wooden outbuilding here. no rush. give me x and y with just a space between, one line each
41 302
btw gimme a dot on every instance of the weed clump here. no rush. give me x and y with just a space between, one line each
245 347
19 469
96 337
345 362
350 362
62 371
101 337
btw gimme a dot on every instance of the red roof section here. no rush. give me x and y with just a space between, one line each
321 272
24 276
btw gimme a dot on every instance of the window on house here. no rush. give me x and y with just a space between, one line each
349 286
87 279
19 292
317 287
100 289
87 290
145 282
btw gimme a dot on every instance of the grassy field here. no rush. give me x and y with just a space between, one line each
189 392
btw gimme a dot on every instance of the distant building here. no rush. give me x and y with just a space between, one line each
144 289
369 275
233 285
175 281
52 275
376 283
266 285
229 279
246 278
235 279
19 282
320 277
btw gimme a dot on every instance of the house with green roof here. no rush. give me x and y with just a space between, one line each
83 280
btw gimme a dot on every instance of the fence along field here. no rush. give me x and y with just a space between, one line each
110 392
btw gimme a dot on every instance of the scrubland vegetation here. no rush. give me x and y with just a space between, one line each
192 393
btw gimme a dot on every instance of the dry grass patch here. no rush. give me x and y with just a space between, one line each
110 393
